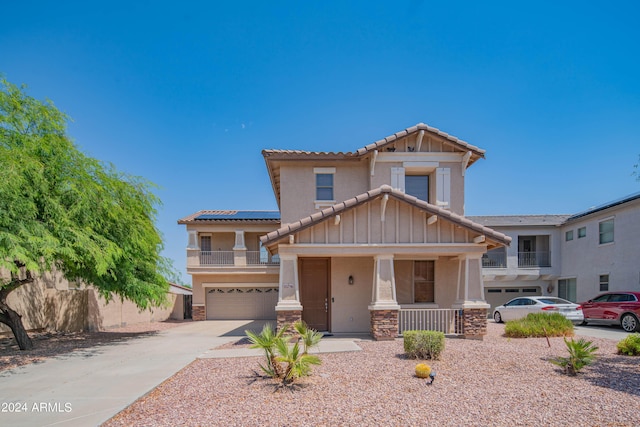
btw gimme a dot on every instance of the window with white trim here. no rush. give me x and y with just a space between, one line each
606 231
604 282
582 232
417 186
324 184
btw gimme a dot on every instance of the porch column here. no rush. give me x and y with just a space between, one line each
470 296
288 309
239 249
193 249
384 307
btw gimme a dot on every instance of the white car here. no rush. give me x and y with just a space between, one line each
519 307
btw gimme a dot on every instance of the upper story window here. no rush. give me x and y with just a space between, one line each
582 232
568 236
324 183
606 231
205 243
417 186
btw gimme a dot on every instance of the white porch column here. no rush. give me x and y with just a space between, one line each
193 240
383 296
470 288
289 294
239 249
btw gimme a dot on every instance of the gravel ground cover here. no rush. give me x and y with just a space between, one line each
494 382
52 344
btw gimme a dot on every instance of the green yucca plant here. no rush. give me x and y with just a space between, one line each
266 340
581 354
284 361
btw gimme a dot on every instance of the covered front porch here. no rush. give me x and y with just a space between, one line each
382 294
375 262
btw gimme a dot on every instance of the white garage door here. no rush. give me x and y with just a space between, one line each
499 296
242 303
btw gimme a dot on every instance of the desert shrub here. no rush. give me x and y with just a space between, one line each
423 344
630 345
539 325
581 354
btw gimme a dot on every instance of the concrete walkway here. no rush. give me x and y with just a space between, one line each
87 387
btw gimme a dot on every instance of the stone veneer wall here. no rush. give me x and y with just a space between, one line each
288 317
198 312
475 323
384 324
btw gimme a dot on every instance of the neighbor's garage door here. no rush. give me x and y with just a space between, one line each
499 296
242 303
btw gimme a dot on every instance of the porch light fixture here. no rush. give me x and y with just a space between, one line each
351 280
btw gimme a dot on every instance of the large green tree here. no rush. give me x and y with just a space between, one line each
63 210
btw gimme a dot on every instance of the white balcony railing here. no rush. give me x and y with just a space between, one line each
216 257
534 259
447 320
494 260
261 258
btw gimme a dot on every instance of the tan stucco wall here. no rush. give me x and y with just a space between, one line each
298 186
52 309
349 307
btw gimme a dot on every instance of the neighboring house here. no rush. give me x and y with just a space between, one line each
572 256
368 241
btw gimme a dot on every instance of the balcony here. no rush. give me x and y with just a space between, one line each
534 259
494 260
233 258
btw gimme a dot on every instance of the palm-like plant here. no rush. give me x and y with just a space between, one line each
266 340
581 354
310 337
297 364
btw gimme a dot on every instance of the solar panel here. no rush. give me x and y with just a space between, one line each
241 215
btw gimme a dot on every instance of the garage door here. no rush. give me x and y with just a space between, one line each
242 303
499 296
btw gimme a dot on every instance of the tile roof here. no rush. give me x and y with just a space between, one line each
349 204
311 155
233 216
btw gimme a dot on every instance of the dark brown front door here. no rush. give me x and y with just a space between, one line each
314 292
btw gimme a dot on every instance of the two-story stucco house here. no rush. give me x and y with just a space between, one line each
572 256
373 240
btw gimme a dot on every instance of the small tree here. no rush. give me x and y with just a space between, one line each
63 210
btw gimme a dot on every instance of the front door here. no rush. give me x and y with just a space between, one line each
314 292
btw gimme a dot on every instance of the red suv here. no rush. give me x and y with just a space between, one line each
614 308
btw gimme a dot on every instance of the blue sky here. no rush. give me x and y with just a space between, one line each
187 94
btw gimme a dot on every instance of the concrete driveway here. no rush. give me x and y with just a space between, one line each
86 388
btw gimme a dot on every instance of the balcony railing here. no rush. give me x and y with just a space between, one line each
260 258
227 258
216 257
494 260
534 259
447 320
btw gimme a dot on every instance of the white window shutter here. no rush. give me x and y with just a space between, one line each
443 187
397 178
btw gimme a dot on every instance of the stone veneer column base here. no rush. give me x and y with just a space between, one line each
198 312
475 323
384 324
288 317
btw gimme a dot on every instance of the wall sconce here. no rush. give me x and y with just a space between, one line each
351 280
